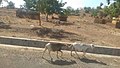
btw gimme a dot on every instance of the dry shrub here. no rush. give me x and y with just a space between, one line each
52 33
99 20
4 25
22 13
108 20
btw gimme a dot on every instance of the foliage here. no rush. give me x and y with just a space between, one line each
108 1
72 11
11 5
44 6
113 9
47 7
106 10
30 4
64 12
0 1
3 0
77 11
87 9
94 12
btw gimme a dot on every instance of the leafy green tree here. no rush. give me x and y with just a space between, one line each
94 12
108 1
113 9
70 10
3 0
106 10
33 5
87 9
47 7
30 4
0 1
77 11
11 5
101 4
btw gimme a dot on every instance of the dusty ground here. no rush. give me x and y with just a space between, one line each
26 57
76 29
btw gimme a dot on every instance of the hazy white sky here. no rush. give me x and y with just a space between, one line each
73 3
17 2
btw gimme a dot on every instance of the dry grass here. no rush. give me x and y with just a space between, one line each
76 29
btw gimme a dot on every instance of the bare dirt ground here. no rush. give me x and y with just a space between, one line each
76 29
26 57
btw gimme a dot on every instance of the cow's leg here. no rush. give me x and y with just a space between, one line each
50 55
61 53
84 53
57 54
44 52
72 50
77 54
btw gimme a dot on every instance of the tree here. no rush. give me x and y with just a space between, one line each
94 12
106 10
70 10
0 1
3 0
87 9
11 5
114 9
31 4
108 1
77 11
101 4
47 7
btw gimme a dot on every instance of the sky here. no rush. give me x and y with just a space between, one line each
73 3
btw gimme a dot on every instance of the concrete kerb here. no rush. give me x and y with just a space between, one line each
41 43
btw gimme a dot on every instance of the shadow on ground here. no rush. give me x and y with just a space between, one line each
85 60
58 23
53 33
61 62
4 25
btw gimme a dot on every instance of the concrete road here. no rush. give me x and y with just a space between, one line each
28 57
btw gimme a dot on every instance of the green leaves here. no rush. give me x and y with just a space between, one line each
113 9
3 0
11 5
47 7
0 1
108 1
30 4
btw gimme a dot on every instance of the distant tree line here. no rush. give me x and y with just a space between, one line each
72 11
112 9
10 5
47 7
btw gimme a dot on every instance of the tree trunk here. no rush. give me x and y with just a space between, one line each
39 20
52 16
47 17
